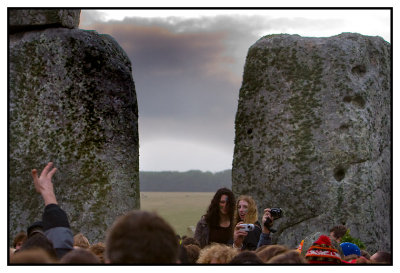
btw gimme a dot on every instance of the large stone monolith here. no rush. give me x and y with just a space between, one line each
313 135
72 101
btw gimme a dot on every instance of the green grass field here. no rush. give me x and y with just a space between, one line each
180 209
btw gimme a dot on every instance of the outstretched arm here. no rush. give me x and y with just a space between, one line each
55 221
43 184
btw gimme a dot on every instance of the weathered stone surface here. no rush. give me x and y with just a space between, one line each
28 19
73 102
313 135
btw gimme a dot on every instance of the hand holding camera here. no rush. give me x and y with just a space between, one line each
240 233
270 214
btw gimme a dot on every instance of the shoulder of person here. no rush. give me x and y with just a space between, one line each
202 220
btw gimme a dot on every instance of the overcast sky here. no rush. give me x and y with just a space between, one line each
187 68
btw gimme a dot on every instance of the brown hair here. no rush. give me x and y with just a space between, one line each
246 257
288 257
265 253
193 252
81 241
98 250
39 240
338 231
20 237
32 256
190 241
141 237
79 256
252 214
223 253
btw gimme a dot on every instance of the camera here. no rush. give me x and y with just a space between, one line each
247 227
276 213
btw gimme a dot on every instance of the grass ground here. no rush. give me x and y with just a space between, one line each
181 209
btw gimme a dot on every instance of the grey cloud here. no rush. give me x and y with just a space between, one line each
184 78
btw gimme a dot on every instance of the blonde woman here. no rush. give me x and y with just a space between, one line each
246 213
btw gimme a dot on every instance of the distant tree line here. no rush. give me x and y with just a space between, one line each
190 181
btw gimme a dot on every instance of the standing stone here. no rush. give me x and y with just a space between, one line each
28 19
72 101
313 135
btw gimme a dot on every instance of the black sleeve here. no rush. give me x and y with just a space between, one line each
54 216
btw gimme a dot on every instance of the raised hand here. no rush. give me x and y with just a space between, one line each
267 220
43 184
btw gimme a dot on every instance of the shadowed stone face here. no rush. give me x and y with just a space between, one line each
73 102
313 135
29 19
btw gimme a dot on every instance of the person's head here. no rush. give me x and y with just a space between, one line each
382 257
39 240
222 204
288 257
19 239
81 241
350 249
79 256
182 255
337 232
266 252
141 237
217 254
190 241
246 257
246 210
32 256
193 252
98 249
35 227
322 252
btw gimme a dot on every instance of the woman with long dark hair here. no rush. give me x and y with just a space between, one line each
217 224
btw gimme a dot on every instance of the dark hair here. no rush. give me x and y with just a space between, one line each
288 257
266 252
32 256
79 256
212 216
39 240
182 254
246 257
190 241
338 231
141 237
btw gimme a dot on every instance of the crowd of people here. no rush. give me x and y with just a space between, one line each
229 233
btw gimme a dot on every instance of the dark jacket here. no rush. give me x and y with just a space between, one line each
202 232
57 230
250 242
